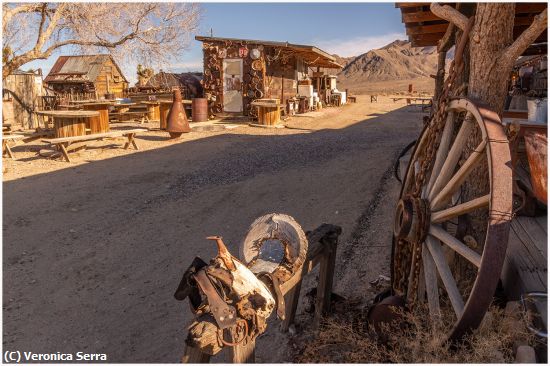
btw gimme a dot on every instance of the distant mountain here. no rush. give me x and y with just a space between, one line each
395 61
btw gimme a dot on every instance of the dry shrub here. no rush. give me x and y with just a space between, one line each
343 340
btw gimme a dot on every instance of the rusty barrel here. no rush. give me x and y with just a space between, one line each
199 110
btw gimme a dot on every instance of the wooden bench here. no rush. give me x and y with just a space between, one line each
64 142
6 148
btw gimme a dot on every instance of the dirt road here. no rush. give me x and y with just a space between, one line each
94 251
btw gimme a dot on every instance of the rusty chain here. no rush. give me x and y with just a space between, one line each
406 276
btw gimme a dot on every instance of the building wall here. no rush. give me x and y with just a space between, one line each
26 92
116 83
275 78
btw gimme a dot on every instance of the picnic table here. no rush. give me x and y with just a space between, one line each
70 123
101 123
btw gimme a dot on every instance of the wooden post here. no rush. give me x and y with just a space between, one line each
324 288
194 355
244 353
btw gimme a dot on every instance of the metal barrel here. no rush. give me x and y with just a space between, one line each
199 110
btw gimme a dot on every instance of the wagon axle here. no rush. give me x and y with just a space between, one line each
412 219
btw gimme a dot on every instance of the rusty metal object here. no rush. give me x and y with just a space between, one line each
225 315
223 253
387 313
536 145
500 214
407 249
177 120
199 110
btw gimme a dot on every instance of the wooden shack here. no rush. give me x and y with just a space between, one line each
188 82
22 94
91 76
239 71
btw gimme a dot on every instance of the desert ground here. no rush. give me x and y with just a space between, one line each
94 249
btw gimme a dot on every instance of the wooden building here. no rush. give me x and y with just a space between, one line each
239 71
91 75
188 82
22 94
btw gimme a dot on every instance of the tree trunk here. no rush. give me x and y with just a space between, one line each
489 69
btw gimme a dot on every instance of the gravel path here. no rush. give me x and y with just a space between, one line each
94 250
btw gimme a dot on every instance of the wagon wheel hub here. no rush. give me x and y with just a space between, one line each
412 219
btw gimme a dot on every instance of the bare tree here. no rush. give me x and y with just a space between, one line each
151 33
493 51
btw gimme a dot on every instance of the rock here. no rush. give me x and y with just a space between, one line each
526 354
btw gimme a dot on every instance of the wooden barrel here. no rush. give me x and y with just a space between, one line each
153 111
164 108
98 124
199 110
269 116
70 126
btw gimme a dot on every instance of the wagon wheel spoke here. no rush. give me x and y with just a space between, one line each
456 181
460 209
446 276
441 152
455 244
452 158
430 279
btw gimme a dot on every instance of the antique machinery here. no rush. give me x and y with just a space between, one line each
449 243
233 298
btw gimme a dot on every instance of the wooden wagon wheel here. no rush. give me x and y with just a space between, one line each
425 220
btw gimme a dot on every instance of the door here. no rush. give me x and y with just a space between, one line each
232 85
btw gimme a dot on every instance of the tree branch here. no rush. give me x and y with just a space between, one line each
42 21
512 52
447 41
9 13
450 14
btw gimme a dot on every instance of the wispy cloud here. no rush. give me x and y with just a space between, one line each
357 45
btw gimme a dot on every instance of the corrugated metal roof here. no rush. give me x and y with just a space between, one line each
316 54
82 67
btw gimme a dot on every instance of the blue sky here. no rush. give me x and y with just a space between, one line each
347 29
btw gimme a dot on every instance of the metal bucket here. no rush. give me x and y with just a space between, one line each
537 110
199 110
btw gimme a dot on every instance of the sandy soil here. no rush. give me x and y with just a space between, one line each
421 85
93 250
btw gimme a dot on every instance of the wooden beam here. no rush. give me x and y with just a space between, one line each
528 8
537 49
424 29
411 5
420 43
429 37
420 16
